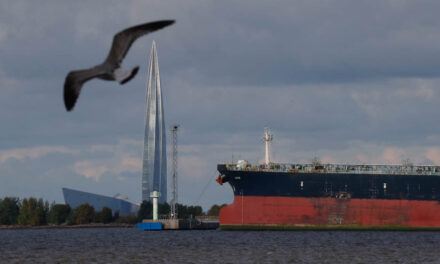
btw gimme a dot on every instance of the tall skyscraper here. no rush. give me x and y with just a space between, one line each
154 168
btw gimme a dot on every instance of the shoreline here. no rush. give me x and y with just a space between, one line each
92 225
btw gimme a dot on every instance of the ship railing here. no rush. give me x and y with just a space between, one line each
338 168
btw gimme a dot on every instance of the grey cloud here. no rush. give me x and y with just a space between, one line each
253 43
333 79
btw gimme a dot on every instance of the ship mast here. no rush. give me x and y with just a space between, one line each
267 139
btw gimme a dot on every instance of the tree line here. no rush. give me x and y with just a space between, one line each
36 212
183 211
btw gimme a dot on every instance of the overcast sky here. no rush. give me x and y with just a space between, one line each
346 81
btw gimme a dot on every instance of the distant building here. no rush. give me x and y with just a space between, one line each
154 168
119 203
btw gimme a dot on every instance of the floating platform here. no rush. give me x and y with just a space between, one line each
150 226
178 224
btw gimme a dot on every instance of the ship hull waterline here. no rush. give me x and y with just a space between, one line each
300 213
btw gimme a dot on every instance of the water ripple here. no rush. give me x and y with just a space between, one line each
128 245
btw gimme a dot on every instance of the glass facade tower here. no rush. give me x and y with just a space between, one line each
154 168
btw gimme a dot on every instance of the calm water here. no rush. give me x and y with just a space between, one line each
128 245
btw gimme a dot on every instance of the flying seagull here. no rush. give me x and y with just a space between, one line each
110 69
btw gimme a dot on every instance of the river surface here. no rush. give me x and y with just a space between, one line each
129 245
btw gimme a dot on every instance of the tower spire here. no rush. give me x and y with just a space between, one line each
154 167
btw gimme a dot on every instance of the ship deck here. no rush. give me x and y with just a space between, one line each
408 169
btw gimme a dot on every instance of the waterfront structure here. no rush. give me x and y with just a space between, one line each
173 202
274 195
119 203
154 167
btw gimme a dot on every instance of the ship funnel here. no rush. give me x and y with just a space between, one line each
267 139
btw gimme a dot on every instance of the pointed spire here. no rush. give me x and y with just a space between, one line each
154 168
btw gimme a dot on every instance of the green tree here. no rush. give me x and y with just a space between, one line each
33 212
164 209
58 213
182 211
42 212
145 211
185 212
9 210
215 210
115 216
195 210
105 215
23 217
71 217
84 214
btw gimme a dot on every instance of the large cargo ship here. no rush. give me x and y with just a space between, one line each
330 196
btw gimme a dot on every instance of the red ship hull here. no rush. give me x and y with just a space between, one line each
332 212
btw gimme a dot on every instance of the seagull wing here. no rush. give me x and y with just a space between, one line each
73 84
124 39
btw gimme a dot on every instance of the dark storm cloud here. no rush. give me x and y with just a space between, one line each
236 42
311 41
